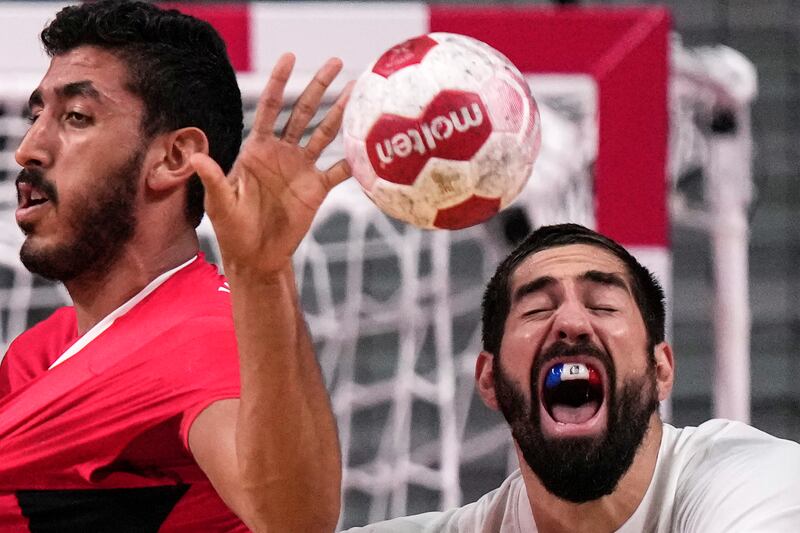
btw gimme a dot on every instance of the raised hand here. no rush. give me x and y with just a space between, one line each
273 454
263 208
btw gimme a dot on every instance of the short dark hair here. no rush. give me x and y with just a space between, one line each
647 292
178 65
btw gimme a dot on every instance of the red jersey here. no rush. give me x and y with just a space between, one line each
99 442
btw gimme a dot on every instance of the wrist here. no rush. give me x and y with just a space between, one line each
248 272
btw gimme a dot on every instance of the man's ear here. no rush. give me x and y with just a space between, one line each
171 153
665 370
484 379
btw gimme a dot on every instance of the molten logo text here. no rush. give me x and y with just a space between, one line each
453 126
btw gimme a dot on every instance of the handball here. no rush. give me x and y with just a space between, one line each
441 131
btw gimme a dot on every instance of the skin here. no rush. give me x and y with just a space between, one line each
284 479
571 307
73 137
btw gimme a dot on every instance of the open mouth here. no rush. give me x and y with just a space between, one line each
29 195
572 392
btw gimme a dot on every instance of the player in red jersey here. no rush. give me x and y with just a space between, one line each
165 399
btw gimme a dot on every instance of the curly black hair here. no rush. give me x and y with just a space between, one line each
647 291
178 65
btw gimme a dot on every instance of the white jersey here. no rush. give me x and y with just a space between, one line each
720 477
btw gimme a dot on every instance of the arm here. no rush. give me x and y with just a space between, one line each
273 455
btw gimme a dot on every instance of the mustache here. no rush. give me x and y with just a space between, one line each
36 178
561 349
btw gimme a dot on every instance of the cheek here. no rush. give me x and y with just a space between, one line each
631 359
74 171
521 343
618 328
627 346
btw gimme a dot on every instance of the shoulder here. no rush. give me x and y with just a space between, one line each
49 335
735 474
494 511
62 320
723 445
197 288
192 304
31 353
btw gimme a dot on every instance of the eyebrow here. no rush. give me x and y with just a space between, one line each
83 88
594 276
535 285
610 279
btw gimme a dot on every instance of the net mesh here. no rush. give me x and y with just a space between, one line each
394 311
395 314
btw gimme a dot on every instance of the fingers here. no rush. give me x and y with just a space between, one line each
219 193
337 173
326 131
271 99
308 102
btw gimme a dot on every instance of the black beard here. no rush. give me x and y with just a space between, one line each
580 469
103 222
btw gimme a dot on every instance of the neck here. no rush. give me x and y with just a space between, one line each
606 514
96 294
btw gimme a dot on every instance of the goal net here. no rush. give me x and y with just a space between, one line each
395 311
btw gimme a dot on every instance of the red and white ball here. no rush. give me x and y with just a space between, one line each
441 131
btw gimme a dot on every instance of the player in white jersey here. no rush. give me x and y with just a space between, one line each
574 357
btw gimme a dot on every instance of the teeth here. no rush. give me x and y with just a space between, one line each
571 371
36 195
574 371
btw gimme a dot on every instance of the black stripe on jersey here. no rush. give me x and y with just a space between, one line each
99 510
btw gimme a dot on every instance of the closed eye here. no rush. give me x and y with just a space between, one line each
536 312
603 309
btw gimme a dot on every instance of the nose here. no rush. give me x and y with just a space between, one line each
36 148
571 323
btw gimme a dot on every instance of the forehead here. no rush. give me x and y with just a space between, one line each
567 262
107 74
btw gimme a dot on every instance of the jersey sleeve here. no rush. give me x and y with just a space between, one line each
750 485
203 368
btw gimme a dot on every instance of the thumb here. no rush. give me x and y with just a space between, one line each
218 192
